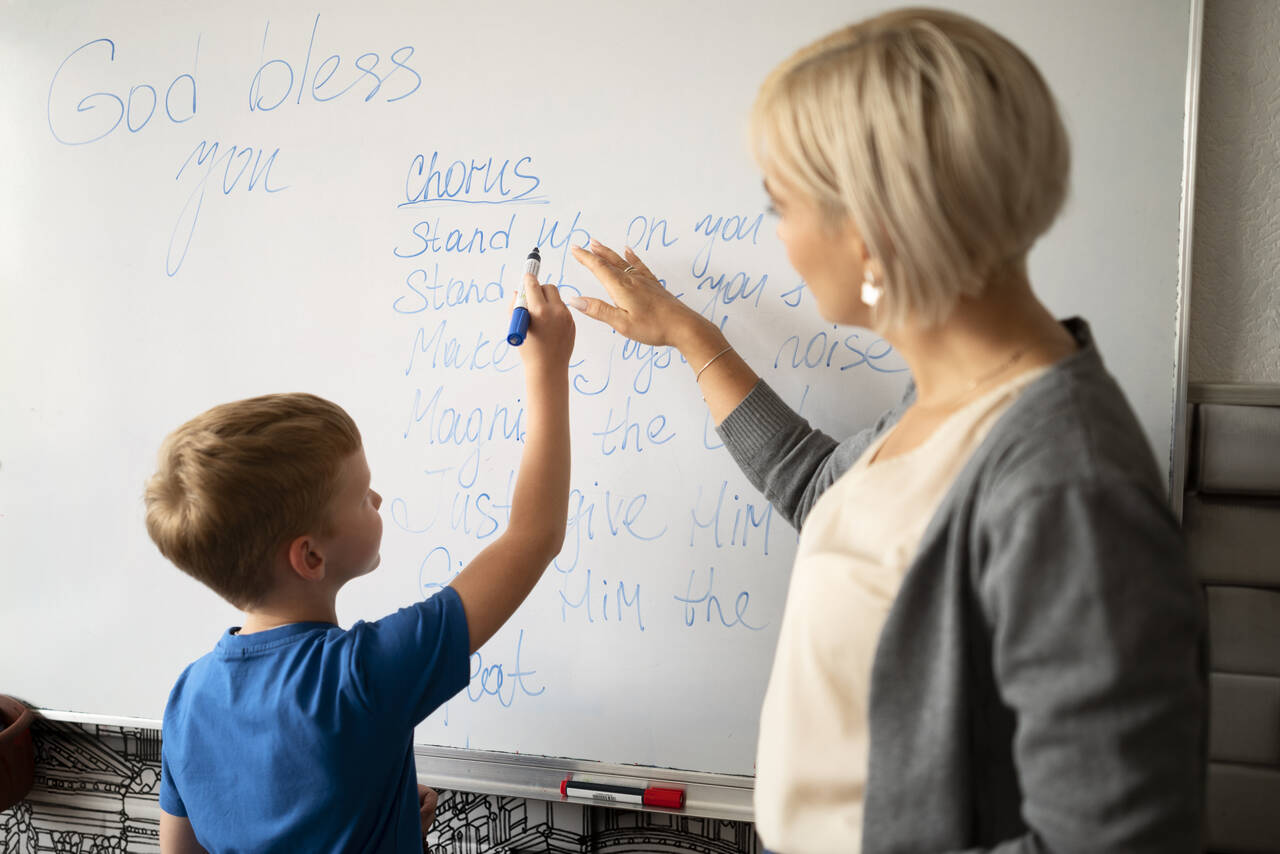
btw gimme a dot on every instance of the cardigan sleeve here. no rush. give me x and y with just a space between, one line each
790 462
1097 639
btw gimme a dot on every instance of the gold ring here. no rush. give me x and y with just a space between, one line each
628 268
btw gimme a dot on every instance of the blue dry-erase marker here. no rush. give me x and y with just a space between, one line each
520 315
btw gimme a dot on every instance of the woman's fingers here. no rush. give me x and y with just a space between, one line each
604 272
643 309
600 268
625 266
611 257
598 309
634 260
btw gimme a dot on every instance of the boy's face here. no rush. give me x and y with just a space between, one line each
355 526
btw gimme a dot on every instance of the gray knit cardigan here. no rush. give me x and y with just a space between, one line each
1039 685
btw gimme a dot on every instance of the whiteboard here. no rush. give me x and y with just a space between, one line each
204 202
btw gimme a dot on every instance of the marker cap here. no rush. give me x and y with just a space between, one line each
519 326
672 799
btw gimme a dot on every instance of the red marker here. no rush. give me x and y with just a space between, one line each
650 796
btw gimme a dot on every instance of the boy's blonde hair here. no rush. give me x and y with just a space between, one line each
236 483
935 135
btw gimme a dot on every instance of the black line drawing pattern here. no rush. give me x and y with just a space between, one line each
97 791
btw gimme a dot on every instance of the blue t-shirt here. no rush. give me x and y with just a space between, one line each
301 738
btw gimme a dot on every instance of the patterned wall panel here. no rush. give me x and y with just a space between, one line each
97 792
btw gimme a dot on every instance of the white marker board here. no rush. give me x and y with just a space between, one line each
207 202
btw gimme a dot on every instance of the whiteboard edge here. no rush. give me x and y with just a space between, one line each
97 720
1191 124
707 795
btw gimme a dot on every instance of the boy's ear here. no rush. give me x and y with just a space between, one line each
306 559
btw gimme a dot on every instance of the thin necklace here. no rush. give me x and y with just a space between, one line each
975 383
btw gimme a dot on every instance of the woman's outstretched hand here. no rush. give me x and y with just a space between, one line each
645 311
642 309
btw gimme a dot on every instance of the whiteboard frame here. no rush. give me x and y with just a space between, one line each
1186 228
729 796
706 794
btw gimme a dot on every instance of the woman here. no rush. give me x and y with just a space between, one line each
991 639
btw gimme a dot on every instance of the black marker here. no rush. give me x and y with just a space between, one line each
520 314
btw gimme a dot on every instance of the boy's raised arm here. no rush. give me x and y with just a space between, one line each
494 584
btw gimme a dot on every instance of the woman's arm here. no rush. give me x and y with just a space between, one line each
645 311
790 462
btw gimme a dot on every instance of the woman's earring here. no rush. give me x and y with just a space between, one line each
871 292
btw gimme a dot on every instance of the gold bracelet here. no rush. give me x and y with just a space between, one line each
698 376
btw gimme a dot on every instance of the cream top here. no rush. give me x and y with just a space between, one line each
855 547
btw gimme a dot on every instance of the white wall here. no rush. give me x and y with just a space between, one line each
1235 291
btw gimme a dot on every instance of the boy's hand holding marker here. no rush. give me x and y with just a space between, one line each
494 584
539 310
520 308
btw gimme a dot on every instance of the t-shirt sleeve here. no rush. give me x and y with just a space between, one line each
412 661
170 800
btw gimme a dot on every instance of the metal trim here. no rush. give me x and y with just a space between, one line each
1235 394
1191 123
723 796
98 720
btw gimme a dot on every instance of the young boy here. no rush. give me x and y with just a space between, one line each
295 735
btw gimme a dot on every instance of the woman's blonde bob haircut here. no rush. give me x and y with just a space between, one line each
236 483
935 135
